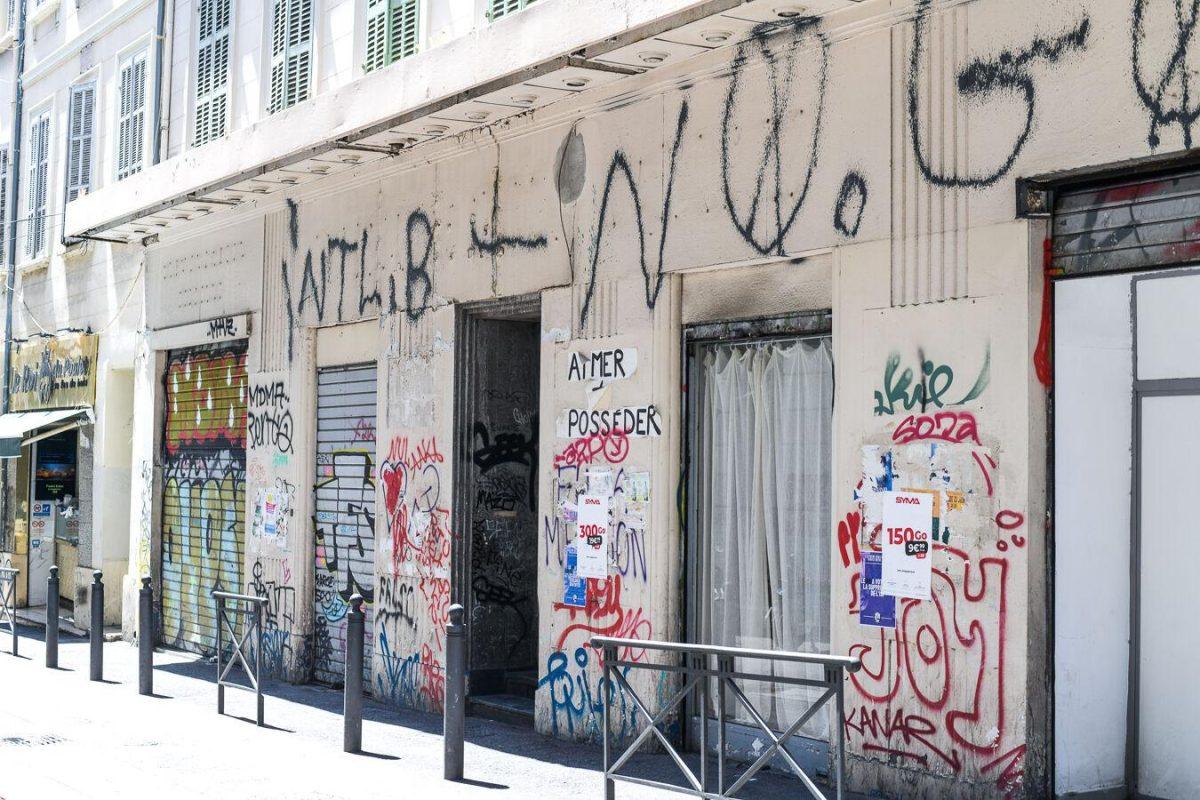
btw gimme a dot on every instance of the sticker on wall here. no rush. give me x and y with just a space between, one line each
633 421
601 367
601 482
592 543
875 608
907 544
639 487
574 585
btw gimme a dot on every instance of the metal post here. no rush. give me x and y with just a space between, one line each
220 652
257 639
146 638
52 618
700 664
8 599
724 667
454 728
840 766
353 687
97 630
606 696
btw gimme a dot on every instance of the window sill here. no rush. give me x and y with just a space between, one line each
34 265
41 13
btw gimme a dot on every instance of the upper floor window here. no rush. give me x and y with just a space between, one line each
131 125
79 140
291 53
392 31
39 168
212 70
499 8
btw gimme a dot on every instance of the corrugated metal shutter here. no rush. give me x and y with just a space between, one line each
1126 225
345 512
204 489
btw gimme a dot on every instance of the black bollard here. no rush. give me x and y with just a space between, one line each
146 638
96 634
52 618
454 728
353 686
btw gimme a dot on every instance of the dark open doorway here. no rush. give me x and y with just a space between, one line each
498 415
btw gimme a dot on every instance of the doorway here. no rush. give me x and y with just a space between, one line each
498 376
1127 394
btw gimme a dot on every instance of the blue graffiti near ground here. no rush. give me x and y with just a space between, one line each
577 699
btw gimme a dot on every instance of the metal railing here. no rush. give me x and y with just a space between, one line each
247 609
701 666
8 601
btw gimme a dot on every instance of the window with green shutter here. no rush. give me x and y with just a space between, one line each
291 53
393 31
212 70
500 8
3 204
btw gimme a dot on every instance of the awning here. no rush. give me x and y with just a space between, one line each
25 427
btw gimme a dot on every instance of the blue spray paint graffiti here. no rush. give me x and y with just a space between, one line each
577 699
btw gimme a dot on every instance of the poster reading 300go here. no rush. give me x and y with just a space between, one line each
907 544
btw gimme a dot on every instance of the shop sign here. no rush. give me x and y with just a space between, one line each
58 372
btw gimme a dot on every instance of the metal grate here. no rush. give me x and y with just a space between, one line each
1132 224
345 512
204 488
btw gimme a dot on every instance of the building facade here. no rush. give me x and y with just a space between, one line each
427 288
82 120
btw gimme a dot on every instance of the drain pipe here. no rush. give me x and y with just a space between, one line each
160 27
10 250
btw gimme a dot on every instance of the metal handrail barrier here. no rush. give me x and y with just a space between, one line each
700 664
8 601
248 608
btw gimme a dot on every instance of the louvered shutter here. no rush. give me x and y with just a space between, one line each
278 53
3 204
79 141
377 35
212 70
39 165
299 57
499 8
402 28
131 138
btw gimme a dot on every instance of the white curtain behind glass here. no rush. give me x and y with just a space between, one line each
763 488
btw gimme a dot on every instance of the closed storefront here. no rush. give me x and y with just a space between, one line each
345 512
203 489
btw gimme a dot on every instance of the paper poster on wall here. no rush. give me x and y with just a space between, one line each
574 585
875 608
907 544
592 542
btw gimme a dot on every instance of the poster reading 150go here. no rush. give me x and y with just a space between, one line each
907 543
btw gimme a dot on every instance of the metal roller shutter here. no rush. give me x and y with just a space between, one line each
1142 223
204 488
345 512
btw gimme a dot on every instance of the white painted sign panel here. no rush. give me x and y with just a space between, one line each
907 544
592 543
633 421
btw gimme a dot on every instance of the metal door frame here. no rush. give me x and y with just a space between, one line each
791 327
1142 389
527 308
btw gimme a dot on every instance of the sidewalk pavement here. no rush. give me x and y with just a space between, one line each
63 736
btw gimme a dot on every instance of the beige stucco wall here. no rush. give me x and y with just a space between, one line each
671 199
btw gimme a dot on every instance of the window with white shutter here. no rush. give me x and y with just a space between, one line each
212 69
291 53
392 31
131 123
500 8
3 204
39 168
79 140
